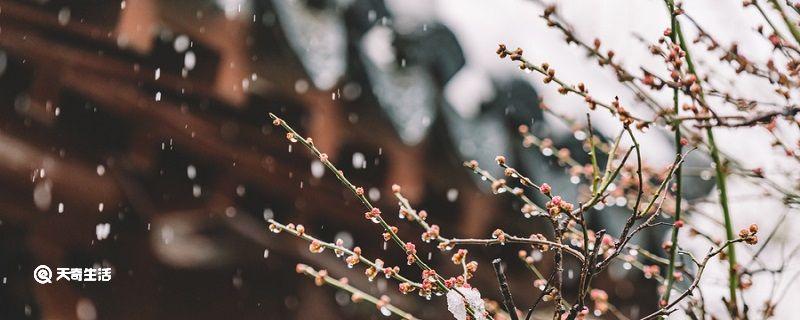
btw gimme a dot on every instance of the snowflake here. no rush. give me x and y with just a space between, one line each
456 306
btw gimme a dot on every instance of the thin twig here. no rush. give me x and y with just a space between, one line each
508 300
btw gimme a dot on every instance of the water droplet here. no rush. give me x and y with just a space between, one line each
197 191
230 212
158 73
268 214
85 309
100 207
64 16
536 255
351 91
181 43
101 170
60 207
167 234
189 60
102 230
452 195
42 195
342 297
359 161
374 194
317 169
191 171
266 253
301 86
346 237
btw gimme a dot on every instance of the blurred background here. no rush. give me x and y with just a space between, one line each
134 135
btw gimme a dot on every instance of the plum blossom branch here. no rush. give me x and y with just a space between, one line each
321 278
373 213
353 256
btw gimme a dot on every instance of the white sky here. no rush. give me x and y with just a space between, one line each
481 25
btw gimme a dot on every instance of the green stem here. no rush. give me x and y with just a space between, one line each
723 199
789 24
674 239
721 184
593 151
